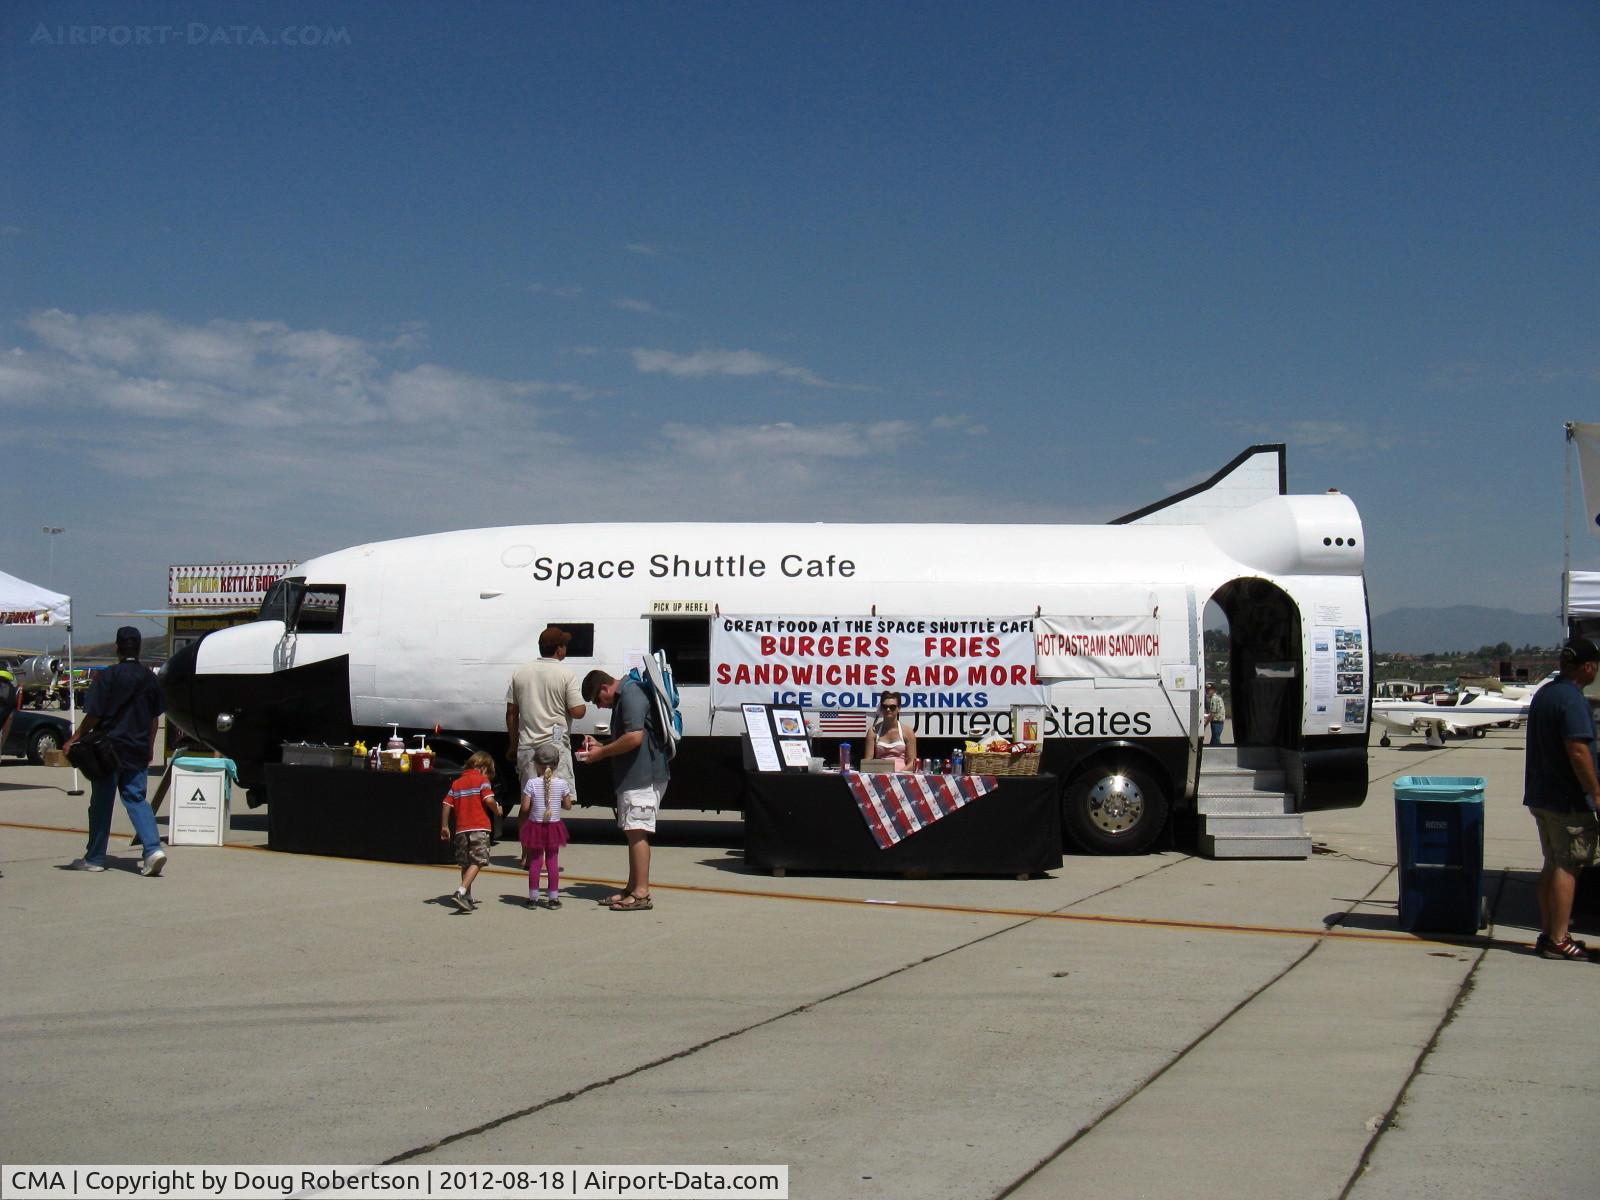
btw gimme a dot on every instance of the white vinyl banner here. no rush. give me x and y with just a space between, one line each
955 664
1587 439
1098 647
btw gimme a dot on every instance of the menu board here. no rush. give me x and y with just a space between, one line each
777 738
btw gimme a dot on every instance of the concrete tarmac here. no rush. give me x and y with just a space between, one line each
1159 1026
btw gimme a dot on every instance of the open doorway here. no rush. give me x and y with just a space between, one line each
1216 642
1264 662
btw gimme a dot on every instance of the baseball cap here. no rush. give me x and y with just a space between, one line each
553 638
1579 650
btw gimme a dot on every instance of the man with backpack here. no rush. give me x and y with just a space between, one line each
125 701
638 754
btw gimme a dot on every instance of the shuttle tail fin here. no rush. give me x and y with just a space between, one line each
1255 475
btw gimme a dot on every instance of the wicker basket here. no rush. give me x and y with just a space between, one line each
1002 764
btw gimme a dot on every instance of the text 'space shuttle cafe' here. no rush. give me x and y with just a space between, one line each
792 678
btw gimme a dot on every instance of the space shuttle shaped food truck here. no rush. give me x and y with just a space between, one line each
1099 626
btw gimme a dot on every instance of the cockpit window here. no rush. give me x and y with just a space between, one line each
322 610
305 607
281 600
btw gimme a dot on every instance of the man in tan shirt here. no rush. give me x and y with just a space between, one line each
541 703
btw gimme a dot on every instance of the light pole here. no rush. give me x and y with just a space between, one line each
50 531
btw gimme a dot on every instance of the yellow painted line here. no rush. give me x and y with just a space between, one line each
1166 923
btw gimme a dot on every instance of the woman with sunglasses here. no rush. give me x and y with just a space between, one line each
889 737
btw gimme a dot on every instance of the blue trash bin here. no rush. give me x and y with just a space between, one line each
1439 830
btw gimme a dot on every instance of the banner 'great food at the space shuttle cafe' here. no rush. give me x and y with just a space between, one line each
953 664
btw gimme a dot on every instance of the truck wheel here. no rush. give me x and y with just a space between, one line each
1384 741
1114 808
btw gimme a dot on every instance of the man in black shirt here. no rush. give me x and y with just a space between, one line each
126 700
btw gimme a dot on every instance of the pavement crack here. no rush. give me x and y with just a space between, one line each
1199 1039
690 1051
1392 1115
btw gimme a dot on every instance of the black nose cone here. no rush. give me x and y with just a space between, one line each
177 686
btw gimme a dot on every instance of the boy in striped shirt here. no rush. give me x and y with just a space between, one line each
471 798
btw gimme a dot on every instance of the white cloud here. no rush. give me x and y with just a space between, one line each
1321 437
786 440
644 248
629 304
704 364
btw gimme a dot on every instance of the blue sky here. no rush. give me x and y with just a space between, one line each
453 265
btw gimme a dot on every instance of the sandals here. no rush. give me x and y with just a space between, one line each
614 898
633 904
1569 949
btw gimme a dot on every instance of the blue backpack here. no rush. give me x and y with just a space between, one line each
667 722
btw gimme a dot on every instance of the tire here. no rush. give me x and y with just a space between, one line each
1384 741
1114 808
42 739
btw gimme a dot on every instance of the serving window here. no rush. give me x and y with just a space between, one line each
582 643
686 641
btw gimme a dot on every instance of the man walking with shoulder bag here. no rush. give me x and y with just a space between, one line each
124 703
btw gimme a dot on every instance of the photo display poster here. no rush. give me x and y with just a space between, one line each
778 740
1338 677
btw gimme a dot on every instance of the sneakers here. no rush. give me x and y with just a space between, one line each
1570 949
83 864
153 865
530 902
459 899
554 902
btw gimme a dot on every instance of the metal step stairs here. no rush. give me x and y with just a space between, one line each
1245 808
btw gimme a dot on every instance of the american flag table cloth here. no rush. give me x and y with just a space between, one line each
896 806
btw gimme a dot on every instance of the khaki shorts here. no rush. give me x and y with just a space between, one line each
472 848
1569 840
637 807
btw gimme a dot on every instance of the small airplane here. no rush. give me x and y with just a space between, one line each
1473 711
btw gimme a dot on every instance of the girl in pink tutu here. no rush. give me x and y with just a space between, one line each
541 832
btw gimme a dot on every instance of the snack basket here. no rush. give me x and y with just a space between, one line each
1003 764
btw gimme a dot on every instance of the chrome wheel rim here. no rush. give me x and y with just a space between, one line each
1116 804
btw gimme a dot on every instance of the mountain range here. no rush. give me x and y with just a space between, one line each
1460 627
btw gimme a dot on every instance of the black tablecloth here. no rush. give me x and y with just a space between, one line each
811 823
391 816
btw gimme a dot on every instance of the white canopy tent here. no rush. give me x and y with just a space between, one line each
24 604
1583 595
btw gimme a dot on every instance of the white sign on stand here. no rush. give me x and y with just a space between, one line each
200 803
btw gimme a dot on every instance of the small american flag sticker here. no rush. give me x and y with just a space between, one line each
840 723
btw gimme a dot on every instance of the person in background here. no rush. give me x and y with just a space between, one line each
1561 787
638 775
471 798
126 699
541 704
10 701
889 736
1216 713
540 828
